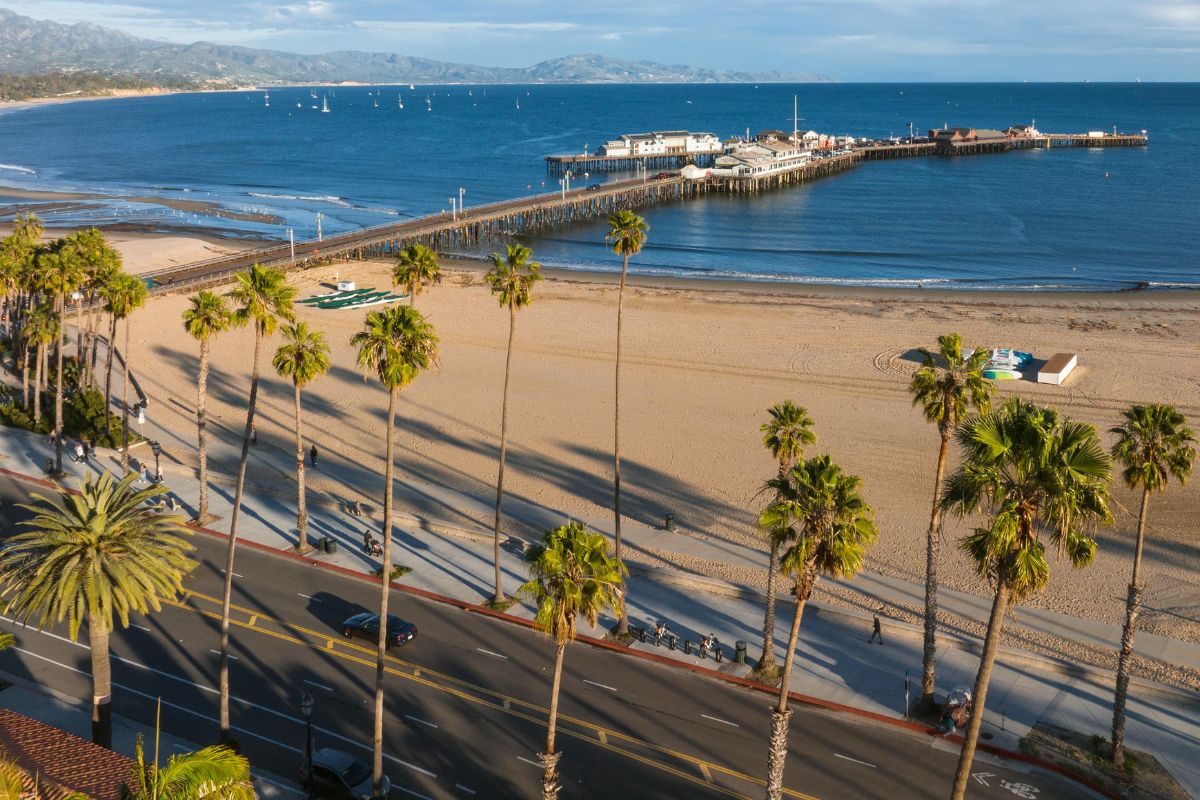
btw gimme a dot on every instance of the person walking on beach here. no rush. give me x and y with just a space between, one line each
876 632
312 456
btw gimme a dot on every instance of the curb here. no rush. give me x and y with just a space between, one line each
761 688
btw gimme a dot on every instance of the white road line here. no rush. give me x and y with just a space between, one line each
527 761
211 690
855 760
318 685
308 597
418 719
490 653
722 721
601 685
411 792
140 627
218 652
236 575
462 788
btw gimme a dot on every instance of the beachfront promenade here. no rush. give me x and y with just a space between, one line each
451 556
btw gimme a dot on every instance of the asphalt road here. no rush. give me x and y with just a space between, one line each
466 700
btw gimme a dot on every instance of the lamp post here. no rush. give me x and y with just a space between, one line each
461 192
292 243
156 448
306 708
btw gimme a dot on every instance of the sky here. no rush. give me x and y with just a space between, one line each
849 40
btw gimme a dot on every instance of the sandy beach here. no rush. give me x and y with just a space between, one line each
703 362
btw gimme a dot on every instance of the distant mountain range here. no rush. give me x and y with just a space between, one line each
32 47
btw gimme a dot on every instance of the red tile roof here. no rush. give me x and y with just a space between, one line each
61 761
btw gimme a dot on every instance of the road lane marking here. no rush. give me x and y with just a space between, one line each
236 575
603 737
140 627
855 760
490 653
414 794
318 685
704 771
722 721
418 719
527 761
462 788
218 652
601 685
253 619
308 597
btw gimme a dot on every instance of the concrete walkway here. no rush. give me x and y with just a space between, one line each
452 556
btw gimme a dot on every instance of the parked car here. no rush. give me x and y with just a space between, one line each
365 625
337 775
662 175
593 187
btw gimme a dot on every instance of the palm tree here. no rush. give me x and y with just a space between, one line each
1038 475
397 345
17 254
303 357
125 294
87 556
60 271
95 261
261 298
205 318
214 773
571 576
1154 445
108 289
40 330
827 528
627 235
416 267
946 386
511 279
785 435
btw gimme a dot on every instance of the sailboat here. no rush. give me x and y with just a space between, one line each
325 105
428 104
400 101
267 99
411 87
377 102
299 104
518 104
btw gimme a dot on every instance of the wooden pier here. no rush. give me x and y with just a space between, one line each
1042 141
817 168
585 162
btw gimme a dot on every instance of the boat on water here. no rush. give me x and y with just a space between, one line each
428 104
267 99
400 101
325 105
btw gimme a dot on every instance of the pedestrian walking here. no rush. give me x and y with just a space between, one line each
312 456
876 632
80 453
254 434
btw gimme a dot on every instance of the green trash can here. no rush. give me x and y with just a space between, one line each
329 545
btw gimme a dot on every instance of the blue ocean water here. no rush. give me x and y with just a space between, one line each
1064 218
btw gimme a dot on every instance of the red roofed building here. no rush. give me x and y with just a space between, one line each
61 762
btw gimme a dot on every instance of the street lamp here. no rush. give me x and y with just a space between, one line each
292 243
461 192
306 708
156 448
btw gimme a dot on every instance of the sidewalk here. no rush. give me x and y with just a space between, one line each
451 555
73 716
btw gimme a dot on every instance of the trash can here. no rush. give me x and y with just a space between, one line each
329 545
740 651
669 523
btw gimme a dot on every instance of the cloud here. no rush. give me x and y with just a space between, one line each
1185 15
311 10
473 26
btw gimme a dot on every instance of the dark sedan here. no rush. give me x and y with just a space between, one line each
366 626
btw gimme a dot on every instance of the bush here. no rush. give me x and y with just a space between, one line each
398 571
83 416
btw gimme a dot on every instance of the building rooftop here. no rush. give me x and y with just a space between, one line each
62 762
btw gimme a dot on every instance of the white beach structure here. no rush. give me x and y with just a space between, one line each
755 159
661 143
1057 368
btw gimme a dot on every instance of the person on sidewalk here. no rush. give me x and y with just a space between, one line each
254 434
876 632
80 453
312 456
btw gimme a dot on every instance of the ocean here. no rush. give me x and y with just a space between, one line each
1096 219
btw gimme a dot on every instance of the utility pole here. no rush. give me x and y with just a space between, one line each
319 217
292 244
461 192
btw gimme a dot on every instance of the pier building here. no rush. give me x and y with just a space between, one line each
653 150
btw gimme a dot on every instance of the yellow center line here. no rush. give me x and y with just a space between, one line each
506 704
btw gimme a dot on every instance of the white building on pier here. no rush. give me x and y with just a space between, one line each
755 159
661 143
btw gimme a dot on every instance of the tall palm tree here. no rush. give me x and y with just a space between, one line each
948 384
571 576
203 319
1038 476
124 294
40 330
87 556
416 267
785 435
1153 445
17 254
61 270
95 260
511 279
303 357
261 299
397 345
214 773
627 235
108 289
827 528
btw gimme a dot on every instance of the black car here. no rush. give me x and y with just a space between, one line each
593 187
366 626
341 776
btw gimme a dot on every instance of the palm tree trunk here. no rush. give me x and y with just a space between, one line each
1133 606
549 759
302 544
979 695
25 381
202 516
231 548
932 547
389 477
101 683
58 386
108 361
79 339
766 662
777 754
125 401
498 595
37 384
623 620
